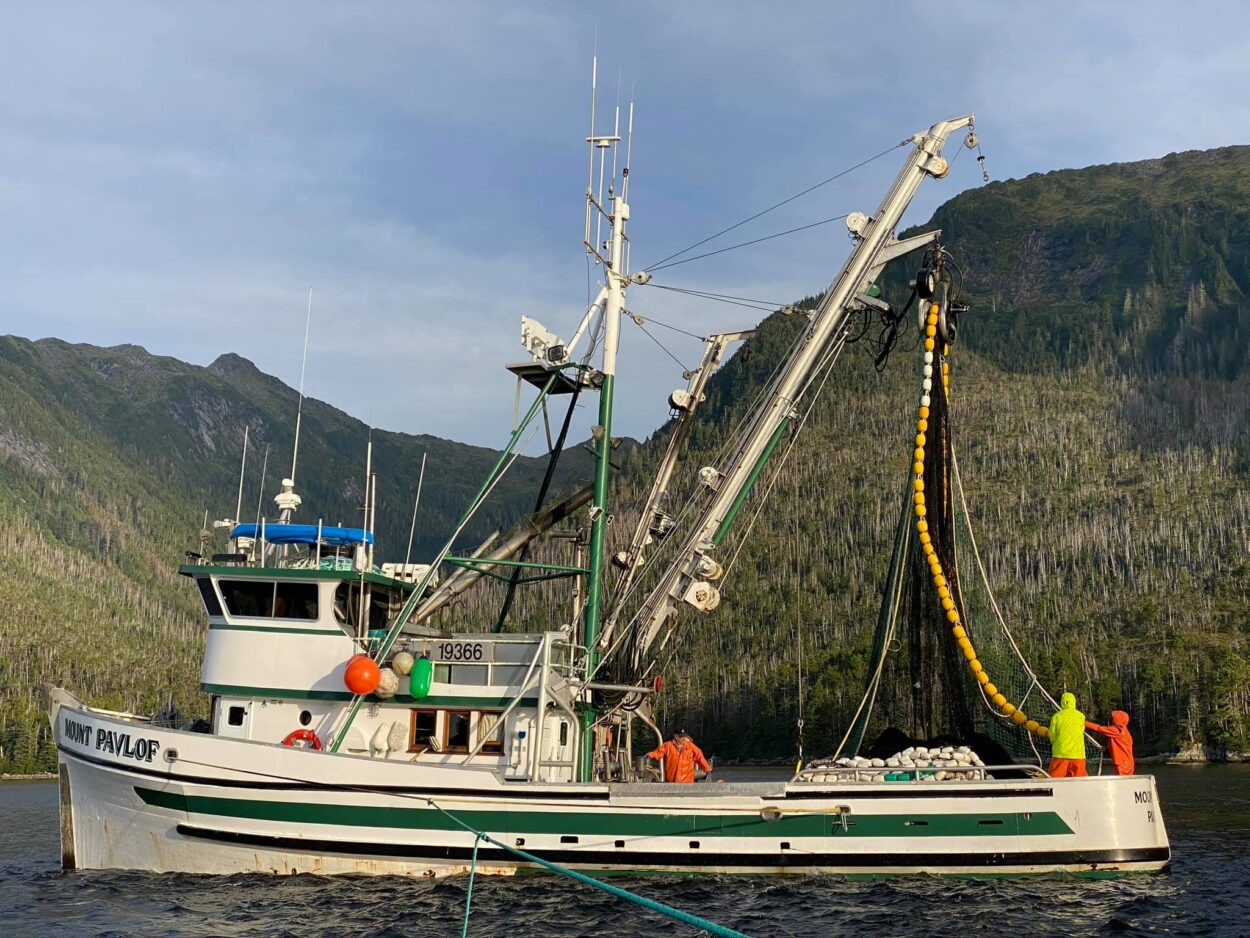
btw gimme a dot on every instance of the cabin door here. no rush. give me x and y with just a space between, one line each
233 718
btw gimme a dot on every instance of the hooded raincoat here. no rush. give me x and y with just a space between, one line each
1067 730
680 757
1120 742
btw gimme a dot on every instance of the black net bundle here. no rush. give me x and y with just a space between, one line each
947 701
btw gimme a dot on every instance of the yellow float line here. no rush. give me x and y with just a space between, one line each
991 692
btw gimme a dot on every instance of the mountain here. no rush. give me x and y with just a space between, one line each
109 458
1102 412
1101 395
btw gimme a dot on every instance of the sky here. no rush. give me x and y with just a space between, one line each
179 175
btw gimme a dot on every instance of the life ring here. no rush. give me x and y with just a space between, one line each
302 735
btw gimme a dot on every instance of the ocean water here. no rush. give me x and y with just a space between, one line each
1206 892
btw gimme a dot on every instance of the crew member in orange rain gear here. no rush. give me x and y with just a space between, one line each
1067 739
1121 743
680 755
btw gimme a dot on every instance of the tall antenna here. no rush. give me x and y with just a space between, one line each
299 412
413 529
368 474
238 505
590 175
264 470
629 150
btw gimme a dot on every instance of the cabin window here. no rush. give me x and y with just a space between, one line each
424 731
462 731
457 731
383 604
209 595
248 597
509 674
295 601
490 729
234 716
460 674
564 734
467 674
265 599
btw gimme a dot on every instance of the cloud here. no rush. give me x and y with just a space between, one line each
178 176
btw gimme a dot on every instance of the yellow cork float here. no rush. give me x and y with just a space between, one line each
992 693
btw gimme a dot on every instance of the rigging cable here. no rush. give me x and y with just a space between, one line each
743 244
766 306
777 205
639 322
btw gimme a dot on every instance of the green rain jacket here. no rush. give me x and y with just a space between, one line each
1067 730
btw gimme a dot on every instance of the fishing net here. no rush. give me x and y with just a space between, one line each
967 679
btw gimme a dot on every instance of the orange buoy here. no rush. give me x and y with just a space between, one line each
362 674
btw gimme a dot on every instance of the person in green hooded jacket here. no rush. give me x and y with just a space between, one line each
1067 739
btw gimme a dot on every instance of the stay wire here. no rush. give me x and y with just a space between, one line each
638 321
767 306
734 247
777 205
656 322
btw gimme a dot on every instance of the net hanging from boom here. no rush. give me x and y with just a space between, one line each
967 677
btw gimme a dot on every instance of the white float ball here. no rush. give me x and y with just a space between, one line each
388 684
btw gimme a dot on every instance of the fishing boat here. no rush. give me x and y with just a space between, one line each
357 727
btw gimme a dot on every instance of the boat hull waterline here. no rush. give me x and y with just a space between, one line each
136 796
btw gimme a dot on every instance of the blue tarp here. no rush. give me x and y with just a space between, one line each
304 534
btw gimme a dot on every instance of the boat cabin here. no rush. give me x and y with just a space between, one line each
282 628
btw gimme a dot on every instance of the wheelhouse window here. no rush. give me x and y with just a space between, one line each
266 599
295 601
383 604
209 596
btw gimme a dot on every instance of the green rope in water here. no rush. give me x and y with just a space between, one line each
468 896
676 914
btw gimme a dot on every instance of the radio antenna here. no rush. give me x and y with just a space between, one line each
238 505
264 471
413 530
299 412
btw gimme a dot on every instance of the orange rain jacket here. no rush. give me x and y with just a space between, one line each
679 760
1120 742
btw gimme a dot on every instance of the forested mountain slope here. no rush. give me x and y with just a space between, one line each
109 459
1101 395
1101 390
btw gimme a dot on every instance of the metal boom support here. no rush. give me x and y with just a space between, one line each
876 245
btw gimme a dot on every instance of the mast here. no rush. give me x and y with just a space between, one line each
687 578
615 281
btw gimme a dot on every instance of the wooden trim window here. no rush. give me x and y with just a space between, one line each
455 731
423 735
490 728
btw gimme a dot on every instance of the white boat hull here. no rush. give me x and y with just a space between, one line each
140 797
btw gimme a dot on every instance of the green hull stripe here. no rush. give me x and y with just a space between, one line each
434 700
645 824
229 627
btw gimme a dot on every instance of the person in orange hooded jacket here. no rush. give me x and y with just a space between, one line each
1120 742
680 755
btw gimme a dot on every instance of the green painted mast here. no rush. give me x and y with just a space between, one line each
615 281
